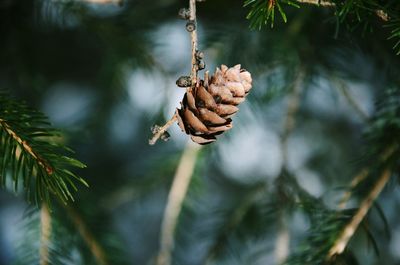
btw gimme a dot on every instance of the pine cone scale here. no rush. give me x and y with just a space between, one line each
211 117
195 123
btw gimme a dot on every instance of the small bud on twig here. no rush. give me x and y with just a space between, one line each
199 55
184 81
201 65
184 13
190 26
156 129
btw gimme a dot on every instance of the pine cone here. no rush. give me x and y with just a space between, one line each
206 111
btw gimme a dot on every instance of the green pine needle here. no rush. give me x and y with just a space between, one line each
28 154
262 12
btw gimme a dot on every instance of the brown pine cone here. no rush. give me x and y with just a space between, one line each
206 111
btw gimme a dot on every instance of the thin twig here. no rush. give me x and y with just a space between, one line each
325 3
317 2
363 174
162 130
356 180
45 234
94 247
193 37
176 196
342 241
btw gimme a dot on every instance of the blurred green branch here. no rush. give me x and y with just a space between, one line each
95 248
349 230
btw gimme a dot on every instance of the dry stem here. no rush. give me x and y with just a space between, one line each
176 196
45 233
342 241
193 37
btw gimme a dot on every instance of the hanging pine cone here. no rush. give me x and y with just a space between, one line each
206 110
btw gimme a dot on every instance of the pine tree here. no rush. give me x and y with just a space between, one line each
308 175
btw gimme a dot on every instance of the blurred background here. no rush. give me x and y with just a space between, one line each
105 73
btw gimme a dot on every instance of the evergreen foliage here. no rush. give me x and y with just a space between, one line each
30 156
355 14
227 218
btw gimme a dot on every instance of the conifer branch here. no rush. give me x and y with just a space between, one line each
355 181
28 152
324 3
45 234
361 176
94 246
176 197
349 230
24 145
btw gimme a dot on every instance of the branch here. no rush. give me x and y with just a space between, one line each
94 247
24 145
324 3
356 180
176 196
193 36
349 230
29 151
363 174
45 234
